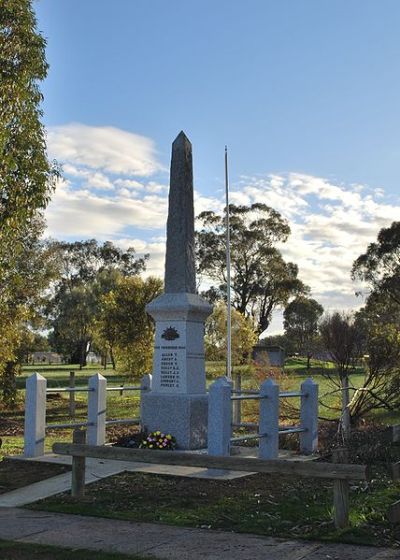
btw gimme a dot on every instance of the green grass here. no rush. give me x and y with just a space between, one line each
128 405
57 407
272 507
261 504
58 375
11 550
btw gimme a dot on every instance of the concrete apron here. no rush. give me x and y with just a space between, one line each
97 469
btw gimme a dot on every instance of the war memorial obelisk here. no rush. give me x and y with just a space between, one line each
177 402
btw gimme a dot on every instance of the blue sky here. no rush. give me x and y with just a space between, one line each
305 94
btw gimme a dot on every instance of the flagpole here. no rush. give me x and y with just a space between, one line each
228 274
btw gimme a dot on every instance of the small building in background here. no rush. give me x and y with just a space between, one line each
45 358
93 358
269 355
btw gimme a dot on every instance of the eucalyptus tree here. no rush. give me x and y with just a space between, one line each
27 177
261 279
300 320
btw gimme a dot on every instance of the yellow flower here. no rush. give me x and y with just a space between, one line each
168 436
151 446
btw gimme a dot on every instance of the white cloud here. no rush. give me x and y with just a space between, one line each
106 196
82 213
156 250
129 184
103 148
331 224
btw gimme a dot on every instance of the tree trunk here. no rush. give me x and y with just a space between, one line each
82 355
309 356
8 382
263 324
112 358
345 419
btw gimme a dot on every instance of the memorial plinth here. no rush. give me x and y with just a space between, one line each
177 402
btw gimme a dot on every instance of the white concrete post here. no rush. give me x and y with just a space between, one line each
309 417
146 382
269 420
220 417
35 415
145 387
96 431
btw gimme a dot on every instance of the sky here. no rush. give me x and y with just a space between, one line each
305 95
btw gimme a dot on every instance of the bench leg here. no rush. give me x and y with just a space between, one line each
78 467
341 493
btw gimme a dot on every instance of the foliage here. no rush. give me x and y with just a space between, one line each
379 321
158 440
380 264
32 342
279 340
81 261
123 326
87 272
27 275
343 340
26 178
301 318
243 336
25 171
261 279
72 326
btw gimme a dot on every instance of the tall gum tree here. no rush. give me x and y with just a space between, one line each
379 266
26 175
301 318
261 279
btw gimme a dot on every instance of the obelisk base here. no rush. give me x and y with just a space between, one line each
183 416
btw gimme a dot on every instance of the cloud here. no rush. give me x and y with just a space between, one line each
103 148
155 248
129 184
115 189
82 213
331 224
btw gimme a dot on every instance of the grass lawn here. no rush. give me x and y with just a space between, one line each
127 406
11 550
58 375
12 421
261 504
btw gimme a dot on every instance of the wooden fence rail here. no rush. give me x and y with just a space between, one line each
334 471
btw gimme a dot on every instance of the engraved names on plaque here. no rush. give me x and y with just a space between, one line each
169 370
169 365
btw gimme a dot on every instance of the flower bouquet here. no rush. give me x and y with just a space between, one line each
158 440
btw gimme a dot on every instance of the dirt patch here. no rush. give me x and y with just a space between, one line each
11 427
17 474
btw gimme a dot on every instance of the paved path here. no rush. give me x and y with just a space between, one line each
165 542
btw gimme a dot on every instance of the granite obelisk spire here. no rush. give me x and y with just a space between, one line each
178 402
180 275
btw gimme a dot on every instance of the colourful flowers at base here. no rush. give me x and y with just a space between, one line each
158 440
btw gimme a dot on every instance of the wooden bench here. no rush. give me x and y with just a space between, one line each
340 473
